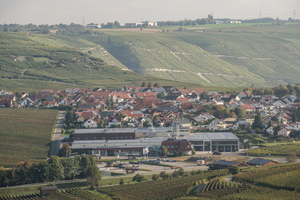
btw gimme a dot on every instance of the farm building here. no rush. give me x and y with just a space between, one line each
263 162
48 191
223 164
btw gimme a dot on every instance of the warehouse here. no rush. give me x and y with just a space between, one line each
222 141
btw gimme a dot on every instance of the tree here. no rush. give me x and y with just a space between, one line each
56 169
240 112
193 152
156 85
294 117
70 167
84 164
93 176
155 177
64 151
234 169
6 29
291 157
164 151
175 174
143 84
117 24
257 121
164 175
146 124
138 178
181 171
150 85
46 31
18 95
121 182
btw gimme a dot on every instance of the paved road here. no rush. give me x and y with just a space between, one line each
57 138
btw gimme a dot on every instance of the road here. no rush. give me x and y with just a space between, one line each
57 138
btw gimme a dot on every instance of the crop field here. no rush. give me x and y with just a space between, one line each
278 150
232 55
25 134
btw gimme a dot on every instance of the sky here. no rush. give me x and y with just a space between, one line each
124 11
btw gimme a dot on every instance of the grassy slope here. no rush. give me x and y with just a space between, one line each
66 61
237 55
25 134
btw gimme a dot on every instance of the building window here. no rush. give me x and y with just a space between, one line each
95 138
86 138
117 137
103 138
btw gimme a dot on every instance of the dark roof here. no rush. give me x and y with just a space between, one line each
225 163
170 97
49 188
259 161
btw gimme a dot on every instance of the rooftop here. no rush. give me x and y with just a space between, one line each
212 136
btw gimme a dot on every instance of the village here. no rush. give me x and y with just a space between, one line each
141 120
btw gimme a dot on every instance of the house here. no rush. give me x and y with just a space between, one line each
204 117
230 121
284 132
270 130
239 124
50 104
218 101
27 102
90 123
48 191
181 147
116 121
250 118
223 164
262 162
6 102
134 122
217 124
199 91
248 108
163 121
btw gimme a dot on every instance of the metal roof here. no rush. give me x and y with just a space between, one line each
226 163
258 161
212 136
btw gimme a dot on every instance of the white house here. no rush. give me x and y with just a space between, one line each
204 117
284 132
270 130
90 124
217 124
26 102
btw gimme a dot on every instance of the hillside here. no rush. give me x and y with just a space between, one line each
219 55
32 61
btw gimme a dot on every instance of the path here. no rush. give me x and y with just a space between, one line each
57 138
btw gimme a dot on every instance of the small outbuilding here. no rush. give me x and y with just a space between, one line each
263 162
223 164
129 171
48 191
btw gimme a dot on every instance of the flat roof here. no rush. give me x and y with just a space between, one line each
126 130
212 136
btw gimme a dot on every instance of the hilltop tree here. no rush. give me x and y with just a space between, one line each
117 24
155 177
294 117
6 29
143 84
150 85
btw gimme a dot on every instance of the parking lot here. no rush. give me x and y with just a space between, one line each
154 169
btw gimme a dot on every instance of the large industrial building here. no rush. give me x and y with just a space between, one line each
139 142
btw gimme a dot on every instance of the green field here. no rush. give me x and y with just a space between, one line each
236 55
25 135
276 150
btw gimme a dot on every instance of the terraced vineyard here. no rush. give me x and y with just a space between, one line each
25 134
240 55
76 193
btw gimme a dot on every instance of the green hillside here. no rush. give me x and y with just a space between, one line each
219 55
32 62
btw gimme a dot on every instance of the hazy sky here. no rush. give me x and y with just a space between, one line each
100 11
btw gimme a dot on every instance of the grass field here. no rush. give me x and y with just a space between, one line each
25 134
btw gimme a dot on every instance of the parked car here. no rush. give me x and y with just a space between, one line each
173 161
166 160
217 153
101 163
174 167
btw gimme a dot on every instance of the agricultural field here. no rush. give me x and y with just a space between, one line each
63 60
237 55
276 150
75 193
25 135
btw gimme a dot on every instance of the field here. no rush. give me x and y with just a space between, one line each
276 150
232 55
64 61
25 135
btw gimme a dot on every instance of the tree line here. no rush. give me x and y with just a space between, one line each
53 169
